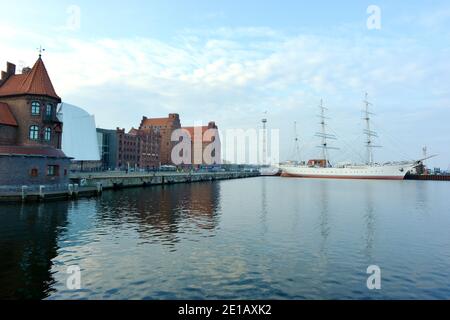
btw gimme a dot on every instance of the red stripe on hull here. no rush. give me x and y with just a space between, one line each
343 177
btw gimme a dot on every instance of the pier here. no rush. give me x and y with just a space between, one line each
428 177
93 184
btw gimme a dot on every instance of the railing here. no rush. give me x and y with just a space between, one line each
32 188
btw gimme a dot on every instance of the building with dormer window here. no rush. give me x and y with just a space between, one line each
30 131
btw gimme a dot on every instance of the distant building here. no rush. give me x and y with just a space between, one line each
30 131
201 139
165 126
79 139
148 146
136 149
107 145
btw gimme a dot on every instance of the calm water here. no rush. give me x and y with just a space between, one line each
261 238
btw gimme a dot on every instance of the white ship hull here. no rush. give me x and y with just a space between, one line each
270 171
376 172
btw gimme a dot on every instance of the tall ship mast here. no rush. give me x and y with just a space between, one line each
324 135
368 132
322 168
296 152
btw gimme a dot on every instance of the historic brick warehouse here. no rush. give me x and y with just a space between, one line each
165 126
30 132
138 149
205 144
151 145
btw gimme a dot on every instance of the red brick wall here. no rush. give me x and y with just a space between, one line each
7 135
21 109
140 150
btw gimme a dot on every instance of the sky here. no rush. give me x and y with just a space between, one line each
232 61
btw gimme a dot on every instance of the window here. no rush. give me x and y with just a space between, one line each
52 171
34 172
34 132
48 134
49 110
35 108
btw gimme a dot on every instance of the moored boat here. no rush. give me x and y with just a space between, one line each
322 168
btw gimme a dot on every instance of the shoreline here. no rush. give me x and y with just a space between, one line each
85 185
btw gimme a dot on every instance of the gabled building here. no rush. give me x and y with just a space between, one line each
165 126
30 131
205 144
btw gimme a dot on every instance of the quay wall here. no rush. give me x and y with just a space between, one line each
428 177
124 180
93 184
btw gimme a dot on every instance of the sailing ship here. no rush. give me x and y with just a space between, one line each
322 168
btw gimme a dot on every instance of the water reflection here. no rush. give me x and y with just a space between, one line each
369 219
264 205
30 234
262 238
28 242
323 220
162 213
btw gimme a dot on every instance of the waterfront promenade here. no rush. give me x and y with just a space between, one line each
93 184
120 179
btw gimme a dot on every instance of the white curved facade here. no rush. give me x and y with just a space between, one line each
79 137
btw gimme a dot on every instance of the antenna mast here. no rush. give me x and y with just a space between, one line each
264 151
296 145
425 154
324 135
368 132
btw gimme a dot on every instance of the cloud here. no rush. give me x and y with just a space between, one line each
232 75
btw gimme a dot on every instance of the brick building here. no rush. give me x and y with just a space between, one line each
201 139
30 131
138 149
165 126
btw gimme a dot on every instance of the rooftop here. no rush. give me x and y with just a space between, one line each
160 122
6 116
35 81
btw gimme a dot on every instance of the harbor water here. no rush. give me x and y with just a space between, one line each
257 238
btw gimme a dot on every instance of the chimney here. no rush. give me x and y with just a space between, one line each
26 70
212 125
10 71
174 115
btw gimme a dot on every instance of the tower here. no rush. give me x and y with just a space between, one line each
32 149
264 142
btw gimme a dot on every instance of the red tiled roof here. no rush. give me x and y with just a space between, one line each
170 121
6 117
36 81
133 132
157 122
32 151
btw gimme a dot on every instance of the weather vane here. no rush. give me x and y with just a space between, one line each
40 50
